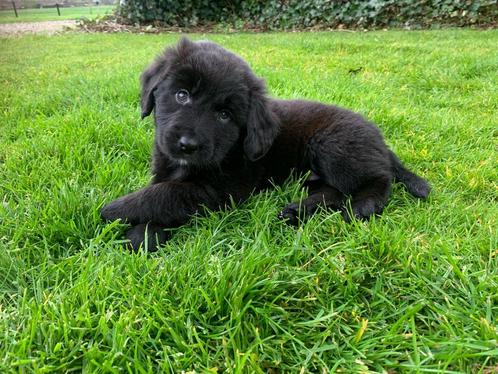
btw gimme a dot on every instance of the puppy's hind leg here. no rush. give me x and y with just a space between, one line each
321 195
370 198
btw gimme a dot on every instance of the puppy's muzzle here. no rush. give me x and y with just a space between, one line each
188 145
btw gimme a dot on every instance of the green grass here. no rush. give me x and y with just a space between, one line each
415 290
50 14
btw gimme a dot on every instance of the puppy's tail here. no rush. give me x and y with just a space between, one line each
416 185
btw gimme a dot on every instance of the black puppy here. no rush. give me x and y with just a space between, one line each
219 137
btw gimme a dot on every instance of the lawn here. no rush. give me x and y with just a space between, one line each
50 14
415 290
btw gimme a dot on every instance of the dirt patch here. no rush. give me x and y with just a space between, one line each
49 27
113 24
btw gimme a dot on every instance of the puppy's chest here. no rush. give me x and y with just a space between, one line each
179 174
164 170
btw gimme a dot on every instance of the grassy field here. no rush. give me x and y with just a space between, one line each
415 290
50 14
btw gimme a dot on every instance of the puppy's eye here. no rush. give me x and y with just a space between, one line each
182 96
224 115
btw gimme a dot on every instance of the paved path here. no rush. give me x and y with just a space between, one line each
35 27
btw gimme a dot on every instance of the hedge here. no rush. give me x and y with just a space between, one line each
300 14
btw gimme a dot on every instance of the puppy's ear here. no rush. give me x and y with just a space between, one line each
158 71
149 80
262 126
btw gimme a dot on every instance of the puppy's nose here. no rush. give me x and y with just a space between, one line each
188 145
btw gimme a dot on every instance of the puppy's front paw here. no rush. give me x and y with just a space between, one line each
290 214
110 212
115 210
150 236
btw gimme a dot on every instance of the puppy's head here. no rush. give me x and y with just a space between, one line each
206 102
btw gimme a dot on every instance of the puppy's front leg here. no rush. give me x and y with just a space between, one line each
168 203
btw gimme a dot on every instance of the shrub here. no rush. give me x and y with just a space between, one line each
299 14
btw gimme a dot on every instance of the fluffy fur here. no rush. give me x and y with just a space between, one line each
219 137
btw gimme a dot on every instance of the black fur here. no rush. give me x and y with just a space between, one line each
219 137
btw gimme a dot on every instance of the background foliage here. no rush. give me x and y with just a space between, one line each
291 14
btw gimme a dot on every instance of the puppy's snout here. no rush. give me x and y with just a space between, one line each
188 145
